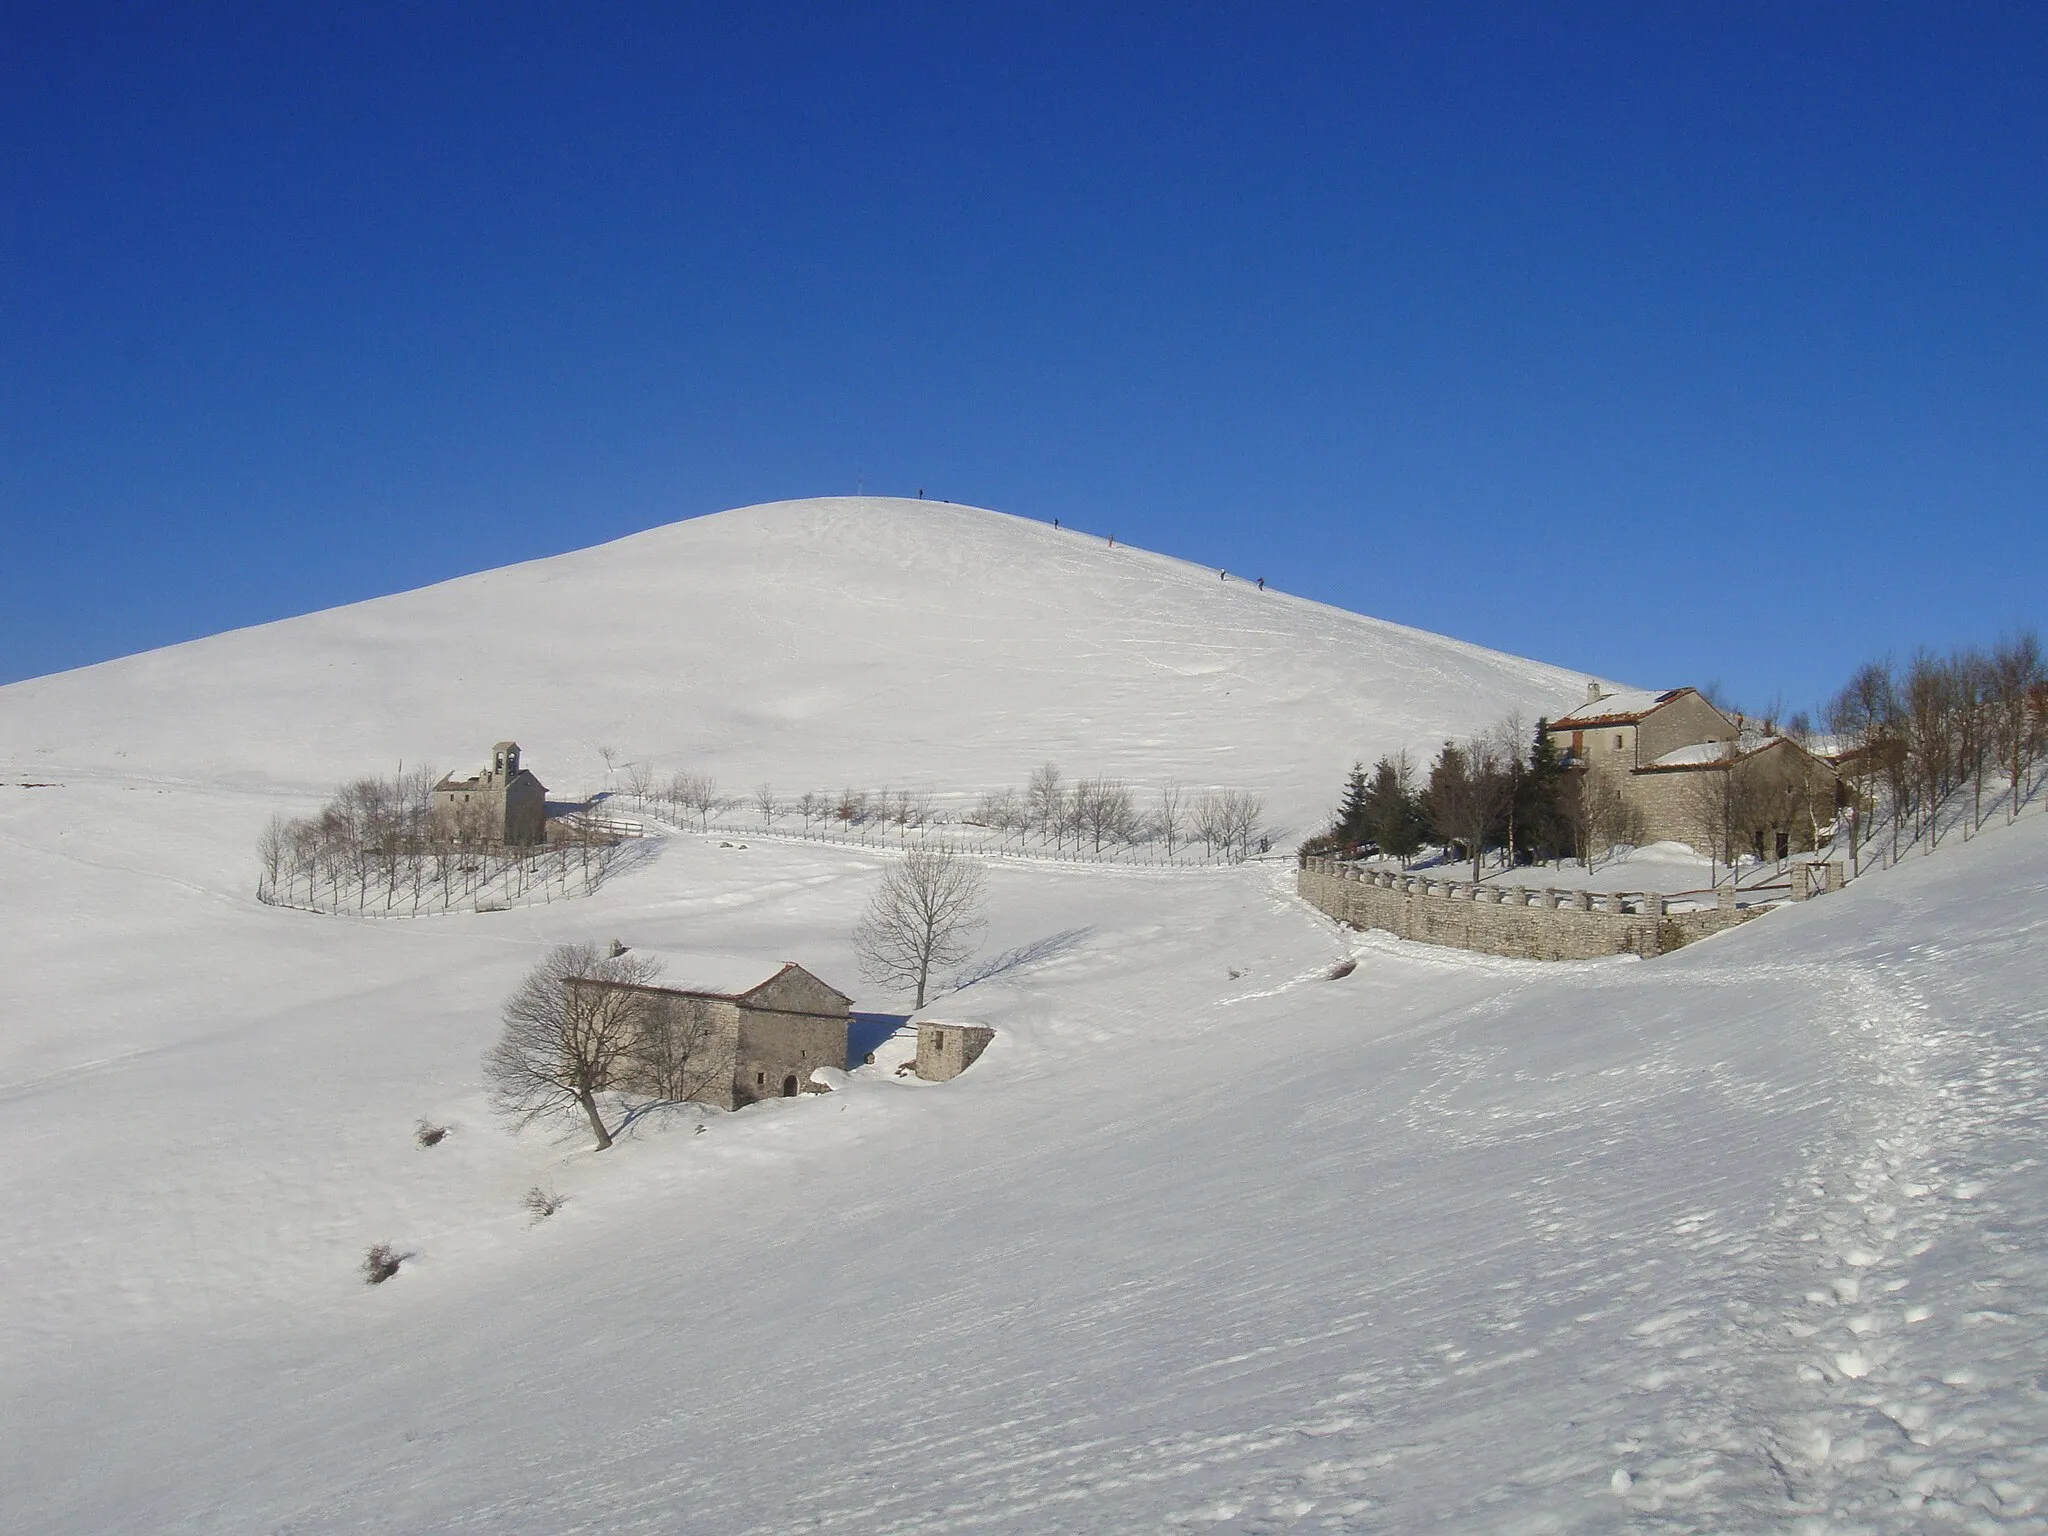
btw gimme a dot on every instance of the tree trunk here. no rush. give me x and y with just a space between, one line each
589 1102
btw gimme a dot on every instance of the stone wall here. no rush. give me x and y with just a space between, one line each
1684 722
775 1047
1510 920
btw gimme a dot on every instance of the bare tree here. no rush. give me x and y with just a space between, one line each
570 1029
273 847
1860 718
1172 813
1468 795
1046 799
764 802
1230 819
928 913
1000 811
693 791
1714 805
1929 695
2016 676
1104 810
1507 737
812 806
674 1054
1211 824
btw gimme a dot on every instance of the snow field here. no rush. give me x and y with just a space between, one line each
1749 1237
814 645
1451 1241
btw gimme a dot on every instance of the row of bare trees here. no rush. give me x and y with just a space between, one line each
1098 815
1103 812
1913 742
376 847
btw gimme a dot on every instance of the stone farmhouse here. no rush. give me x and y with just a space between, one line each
504 804
734 1031
1682 771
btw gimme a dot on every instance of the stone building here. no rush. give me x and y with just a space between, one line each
732 1031
944 1051
1763 795
1615 732
504 804
1682 771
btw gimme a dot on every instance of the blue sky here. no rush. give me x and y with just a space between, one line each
1672 343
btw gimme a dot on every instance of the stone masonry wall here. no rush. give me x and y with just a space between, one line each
1513 920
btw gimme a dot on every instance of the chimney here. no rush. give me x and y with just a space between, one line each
1592 692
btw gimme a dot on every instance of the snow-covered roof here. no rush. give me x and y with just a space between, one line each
1701 753
1620 705
1698 752
711 972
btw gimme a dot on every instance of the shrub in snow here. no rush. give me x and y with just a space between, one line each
381 1264
429 1134
541 1203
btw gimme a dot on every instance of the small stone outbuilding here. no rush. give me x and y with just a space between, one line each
505 804
730 1031
944 1051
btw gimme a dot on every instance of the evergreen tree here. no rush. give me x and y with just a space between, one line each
1541 827
1393 813
1353 825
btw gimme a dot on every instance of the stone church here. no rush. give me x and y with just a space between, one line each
504 804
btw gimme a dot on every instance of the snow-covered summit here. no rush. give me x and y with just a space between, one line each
807 643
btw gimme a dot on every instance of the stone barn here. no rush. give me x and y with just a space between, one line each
728 1031
504 804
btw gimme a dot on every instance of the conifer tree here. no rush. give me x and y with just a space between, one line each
1393 812
1354 811
1540 821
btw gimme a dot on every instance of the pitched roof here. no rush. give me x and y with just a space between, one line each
1698 752
1709 754
710 974
1624 706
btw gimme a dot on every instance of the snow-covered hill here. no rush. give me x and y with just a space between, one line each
811 644
1751 1237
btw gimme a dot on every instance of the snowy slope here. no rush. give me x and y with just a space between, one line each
812 644
1750 1237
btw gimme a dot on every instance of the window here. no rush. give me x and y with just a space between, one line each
1617 741
760 1079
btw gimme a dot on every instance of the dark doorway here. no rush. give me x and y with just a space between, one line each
1784 844
789 1087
